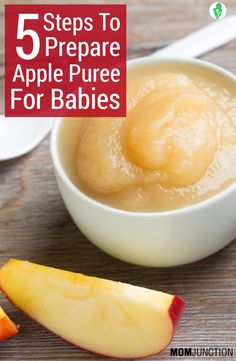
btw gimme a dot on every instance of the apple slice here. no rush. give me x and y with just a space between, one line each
106 317
7 327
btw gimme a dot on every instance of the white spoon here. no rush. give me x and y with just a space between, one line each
203 40
20 135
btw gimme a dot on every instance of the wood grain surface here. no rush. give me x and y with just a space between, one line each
35 225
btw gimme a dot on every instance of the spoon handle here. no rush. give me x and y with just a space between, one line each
203 40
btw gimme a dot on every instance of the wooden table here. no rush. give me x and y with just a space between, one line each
35 225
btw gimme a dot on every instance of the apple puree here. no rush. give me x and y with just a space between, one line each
176 147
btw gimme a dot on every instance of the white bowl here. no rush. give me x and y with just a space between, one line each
156 238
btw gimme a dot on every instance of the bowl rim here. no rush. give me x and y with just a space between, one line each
174 212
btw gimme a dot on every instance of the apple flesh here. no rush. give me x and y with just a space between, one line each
110 318
7 327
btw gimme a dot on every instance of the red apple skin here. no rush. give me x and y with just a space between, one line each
176 309
7 328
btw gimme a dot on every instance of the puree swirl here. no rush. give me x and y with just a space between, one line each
170 137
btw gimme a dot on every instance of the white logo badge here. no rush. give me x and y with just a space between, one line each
218 10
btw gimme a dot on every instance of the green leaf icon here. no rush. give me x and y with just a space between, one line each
218 10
